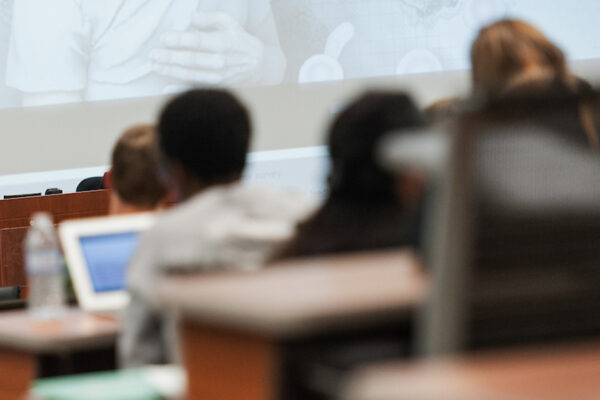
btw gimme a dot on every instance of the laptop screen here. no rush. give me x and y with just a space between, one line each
107 257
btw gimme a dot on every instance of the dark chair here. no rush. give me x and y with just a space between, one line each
516 232
10 293
10 298
90 184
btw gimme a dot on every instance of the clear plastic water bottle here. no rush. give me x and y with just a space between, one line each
45 270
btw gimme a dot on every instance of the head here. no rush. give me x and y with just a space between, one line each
356 174
204 136
511 53
134 175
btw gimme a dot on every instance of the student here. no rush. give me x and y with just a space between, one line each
511 53
134 173
203 138
512 61
367 207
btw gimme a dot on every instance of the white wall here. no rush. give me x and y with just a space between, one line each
81 135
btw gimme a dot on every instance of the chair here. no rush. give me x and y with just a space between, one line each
10 298
10 293
515 245
90 184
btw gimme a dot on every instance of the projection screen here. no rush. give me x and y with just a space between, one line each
75 73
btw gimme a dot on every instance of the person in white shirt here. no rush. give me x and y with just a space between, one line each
203 136
73 50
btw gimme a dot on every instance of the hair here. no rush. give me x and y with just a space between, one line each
515 62
352 141
362 210
511 53
207 131
135 164
443 110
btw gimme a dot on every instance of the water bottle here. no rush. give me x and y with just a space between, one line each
44 266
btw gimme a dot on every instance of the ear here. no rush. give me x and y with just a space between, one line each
410 186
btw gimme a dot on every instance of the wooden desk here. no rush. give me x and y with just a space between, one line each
236 324
14 221
564 373
23 340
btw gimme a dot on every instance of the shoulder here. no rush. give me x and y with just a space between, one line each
184 211
239 199
278 204
231 224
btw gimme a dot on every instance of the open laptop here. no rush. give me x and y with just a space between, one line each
97 252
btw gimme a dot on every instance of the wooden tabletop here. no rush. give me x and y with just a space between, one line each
302 296
76 330
564 373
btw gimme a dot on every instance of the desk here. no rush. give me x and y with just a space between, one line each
235 325
23 340
15 215
564 373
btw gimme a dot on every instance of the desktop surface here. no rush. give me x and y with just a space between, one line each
77 329
302 296
545 373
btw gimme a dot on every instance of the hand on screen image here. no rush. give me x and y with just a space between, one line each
217 50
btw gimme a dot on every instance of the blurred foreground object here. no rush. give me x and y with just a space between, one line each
263 318
514 228
562 373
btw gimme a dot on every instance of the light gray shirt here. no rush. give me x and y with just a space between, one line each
230 226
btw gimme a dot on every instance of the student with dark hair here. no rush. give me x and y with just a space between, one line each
367 207
134 173
203 138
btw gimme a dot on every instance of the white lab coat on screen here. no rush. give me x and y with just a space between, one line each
101 47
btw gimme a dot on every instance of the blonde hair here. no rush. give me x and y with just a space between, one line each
512 53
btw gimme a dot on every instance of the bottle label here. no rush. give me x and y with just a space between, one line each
44 262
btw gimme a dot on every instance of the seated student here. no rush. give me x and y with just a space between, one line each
367 207
134 174
509 53
512 59
203 137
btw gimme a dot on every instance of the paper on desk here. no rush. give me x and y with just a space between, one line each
152 383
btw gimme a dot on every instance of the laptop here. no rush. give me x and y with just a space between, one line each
97 252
